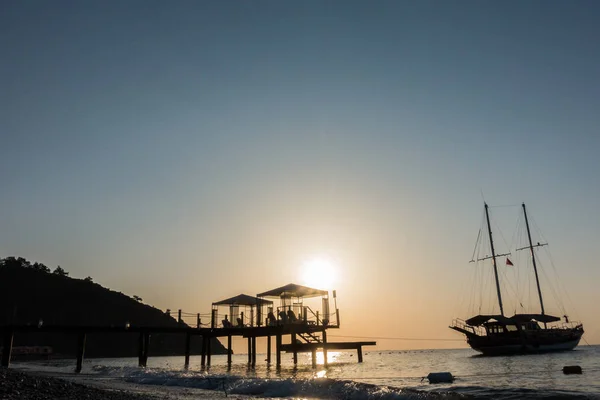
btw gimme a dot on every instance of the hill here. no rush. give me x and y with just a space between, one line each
31 292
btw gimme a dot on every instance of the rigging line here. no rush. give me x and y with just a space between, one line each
397 338
586 342
475 248
561 287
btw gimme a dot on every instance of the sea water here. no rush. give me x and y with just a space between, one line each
382 375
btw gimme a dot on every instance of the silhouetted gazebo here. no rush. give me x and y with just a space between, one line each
292 307
237 319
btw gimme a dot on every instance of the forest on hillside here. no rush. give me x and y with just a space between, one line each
32 293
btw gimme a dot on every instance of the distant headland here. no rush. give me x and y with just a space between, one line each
32 293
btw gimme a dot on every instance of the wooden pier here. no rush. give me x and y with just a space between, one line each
306 334
144 333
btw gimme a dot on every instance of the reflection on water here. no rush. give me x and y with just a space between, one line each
395 368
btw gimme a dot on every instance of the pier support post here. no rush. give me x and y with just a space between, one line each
146 347
80 351
324 347
208 351
268 350
249 351
294 347
278 350
229 350
144 344
141 350
253 351
7 350
203 352
314 357
359 350
188 339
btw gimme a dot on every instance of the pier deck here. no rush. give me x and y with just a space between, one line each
307 332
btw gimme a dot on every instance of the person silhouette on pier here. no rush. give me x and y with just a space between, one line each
291 316
283 317
226 323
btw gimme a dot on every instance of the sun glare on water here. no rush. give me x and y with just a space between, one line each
319 273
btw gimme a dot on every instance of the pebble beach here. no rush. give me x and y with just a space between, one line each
18 385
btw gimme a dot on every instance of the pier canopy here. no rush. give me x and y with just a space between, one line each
293 309
243 300
250 314
293 290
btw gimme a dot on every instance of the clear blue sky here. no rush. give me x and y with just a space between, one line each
163 146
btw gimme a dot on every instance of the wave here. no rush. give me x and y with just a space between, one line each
323 388
317 388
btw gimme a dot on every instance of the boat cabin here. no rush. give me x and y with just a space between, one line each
498 324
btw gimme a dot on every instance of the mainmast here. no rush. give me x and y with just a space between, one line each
487 216
537 281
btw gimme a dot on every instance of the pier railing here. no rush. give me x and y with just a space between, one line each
460 324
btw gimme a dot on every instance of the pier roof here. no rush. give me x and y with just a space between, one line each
243 300
293 290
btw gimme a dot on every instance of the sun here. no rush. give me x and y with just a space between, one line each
319 273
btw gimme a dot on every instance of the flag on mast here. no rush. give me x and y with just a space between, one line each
508 262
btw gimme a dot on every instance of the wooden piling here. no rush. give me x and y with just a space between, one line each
324 347
278 350
249 351
144 346
229 350
80 351
141 349
359 351
7 350
268 350
295 351
314 358
188 339
208 351
253 351
203 352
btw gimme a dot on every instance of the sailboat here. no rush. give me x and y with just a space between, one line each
520 333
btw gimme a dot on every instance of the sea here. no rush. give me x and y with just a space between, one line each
382 375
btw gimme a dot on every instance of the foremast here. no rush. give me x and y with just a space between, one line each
487 216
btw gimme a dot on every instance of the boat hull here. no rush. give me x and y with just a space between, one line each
546 342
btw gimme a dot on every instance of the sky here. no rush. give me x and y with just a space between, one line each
189 151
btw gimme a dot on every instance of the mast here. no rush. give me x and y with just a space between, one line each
487 216
537 281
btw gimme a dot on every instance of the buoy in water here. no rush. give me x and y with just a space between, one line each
572 369
440 377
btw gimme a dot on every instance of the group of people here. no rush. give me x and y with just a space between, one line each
285 317
227 324
288 317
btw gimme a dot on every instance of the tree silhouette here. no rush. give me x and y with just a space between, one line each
89 279
40 267
61 272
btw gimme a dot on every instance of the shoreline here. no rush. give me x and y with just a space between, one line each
20 384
